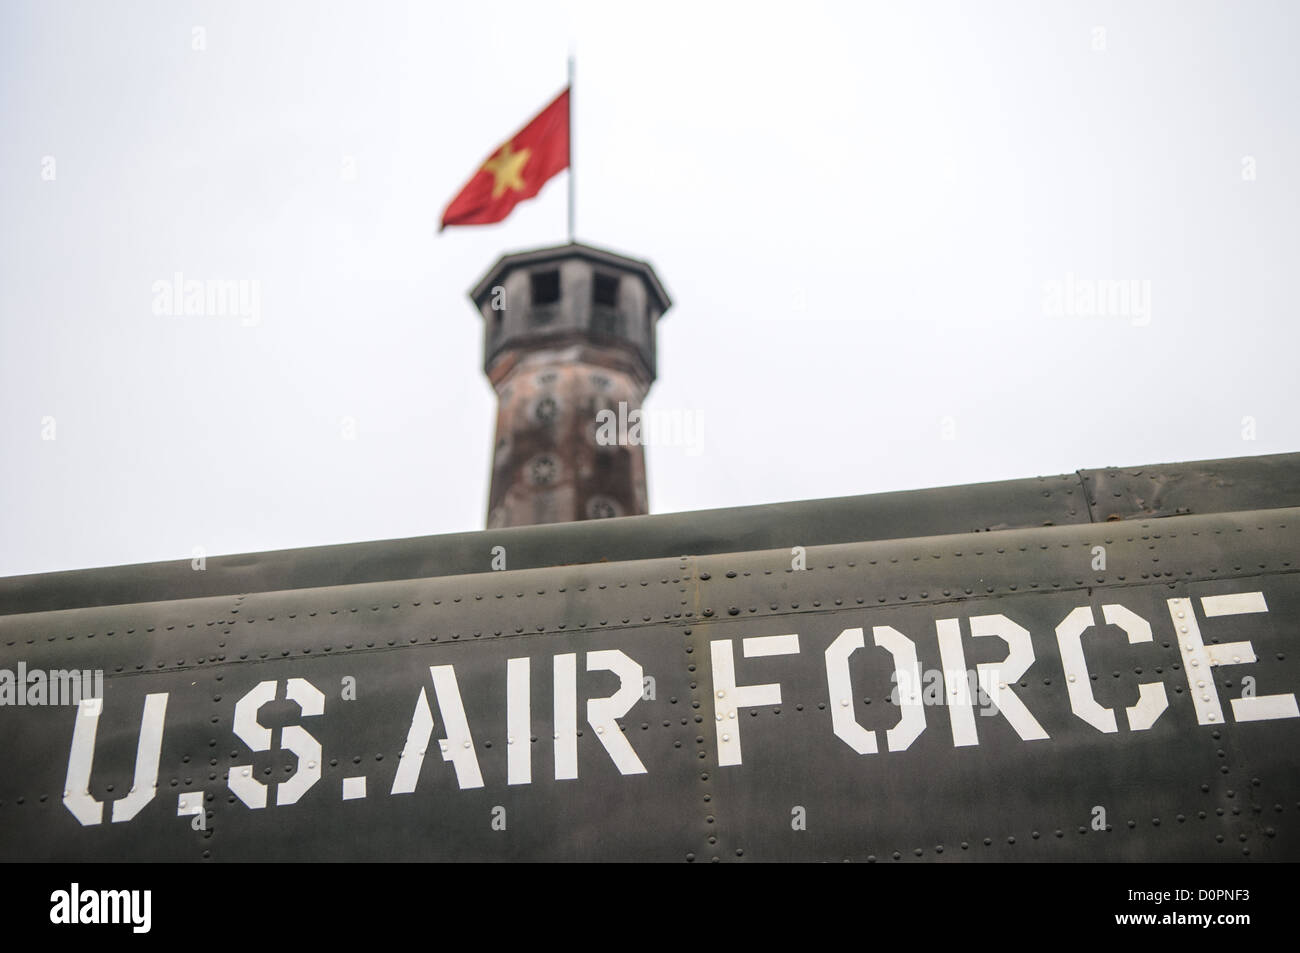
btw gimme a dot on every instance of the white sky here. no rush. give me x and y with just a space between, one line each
856 207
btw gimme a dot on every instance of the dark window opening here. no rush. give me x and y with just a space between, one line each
546 287
604 291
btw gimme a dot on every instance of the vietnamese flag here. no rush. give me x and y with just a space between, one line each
516 171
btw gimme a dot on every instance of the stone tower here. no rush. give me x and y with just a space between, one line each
568 332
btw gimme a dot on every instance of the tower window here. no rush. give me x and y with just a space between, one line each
604 291
605 319
546 286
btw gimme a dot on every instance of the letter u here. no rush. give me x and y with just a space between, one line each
76 789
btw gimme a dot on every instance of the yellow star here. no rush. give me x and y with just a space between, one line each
506 166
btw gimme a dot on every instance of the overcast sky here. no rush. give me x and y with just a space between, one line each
874 219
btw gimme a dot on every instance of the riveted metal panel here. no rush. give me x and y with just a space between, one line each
663 614
384 637
1007 798
1177 489
1176 791
1014 503
1245 483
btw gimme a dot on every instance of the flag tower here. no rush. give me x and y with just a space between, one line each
568 343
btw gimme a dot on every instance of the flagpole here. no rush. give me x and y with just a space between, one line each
571 148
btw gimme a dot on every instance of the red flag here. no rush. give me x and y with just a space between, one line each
516 171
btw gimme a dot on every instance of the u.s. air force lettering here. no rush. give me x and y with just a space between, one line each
538 714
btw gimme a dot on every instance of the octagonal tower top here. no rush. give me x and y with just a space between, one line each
550 296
